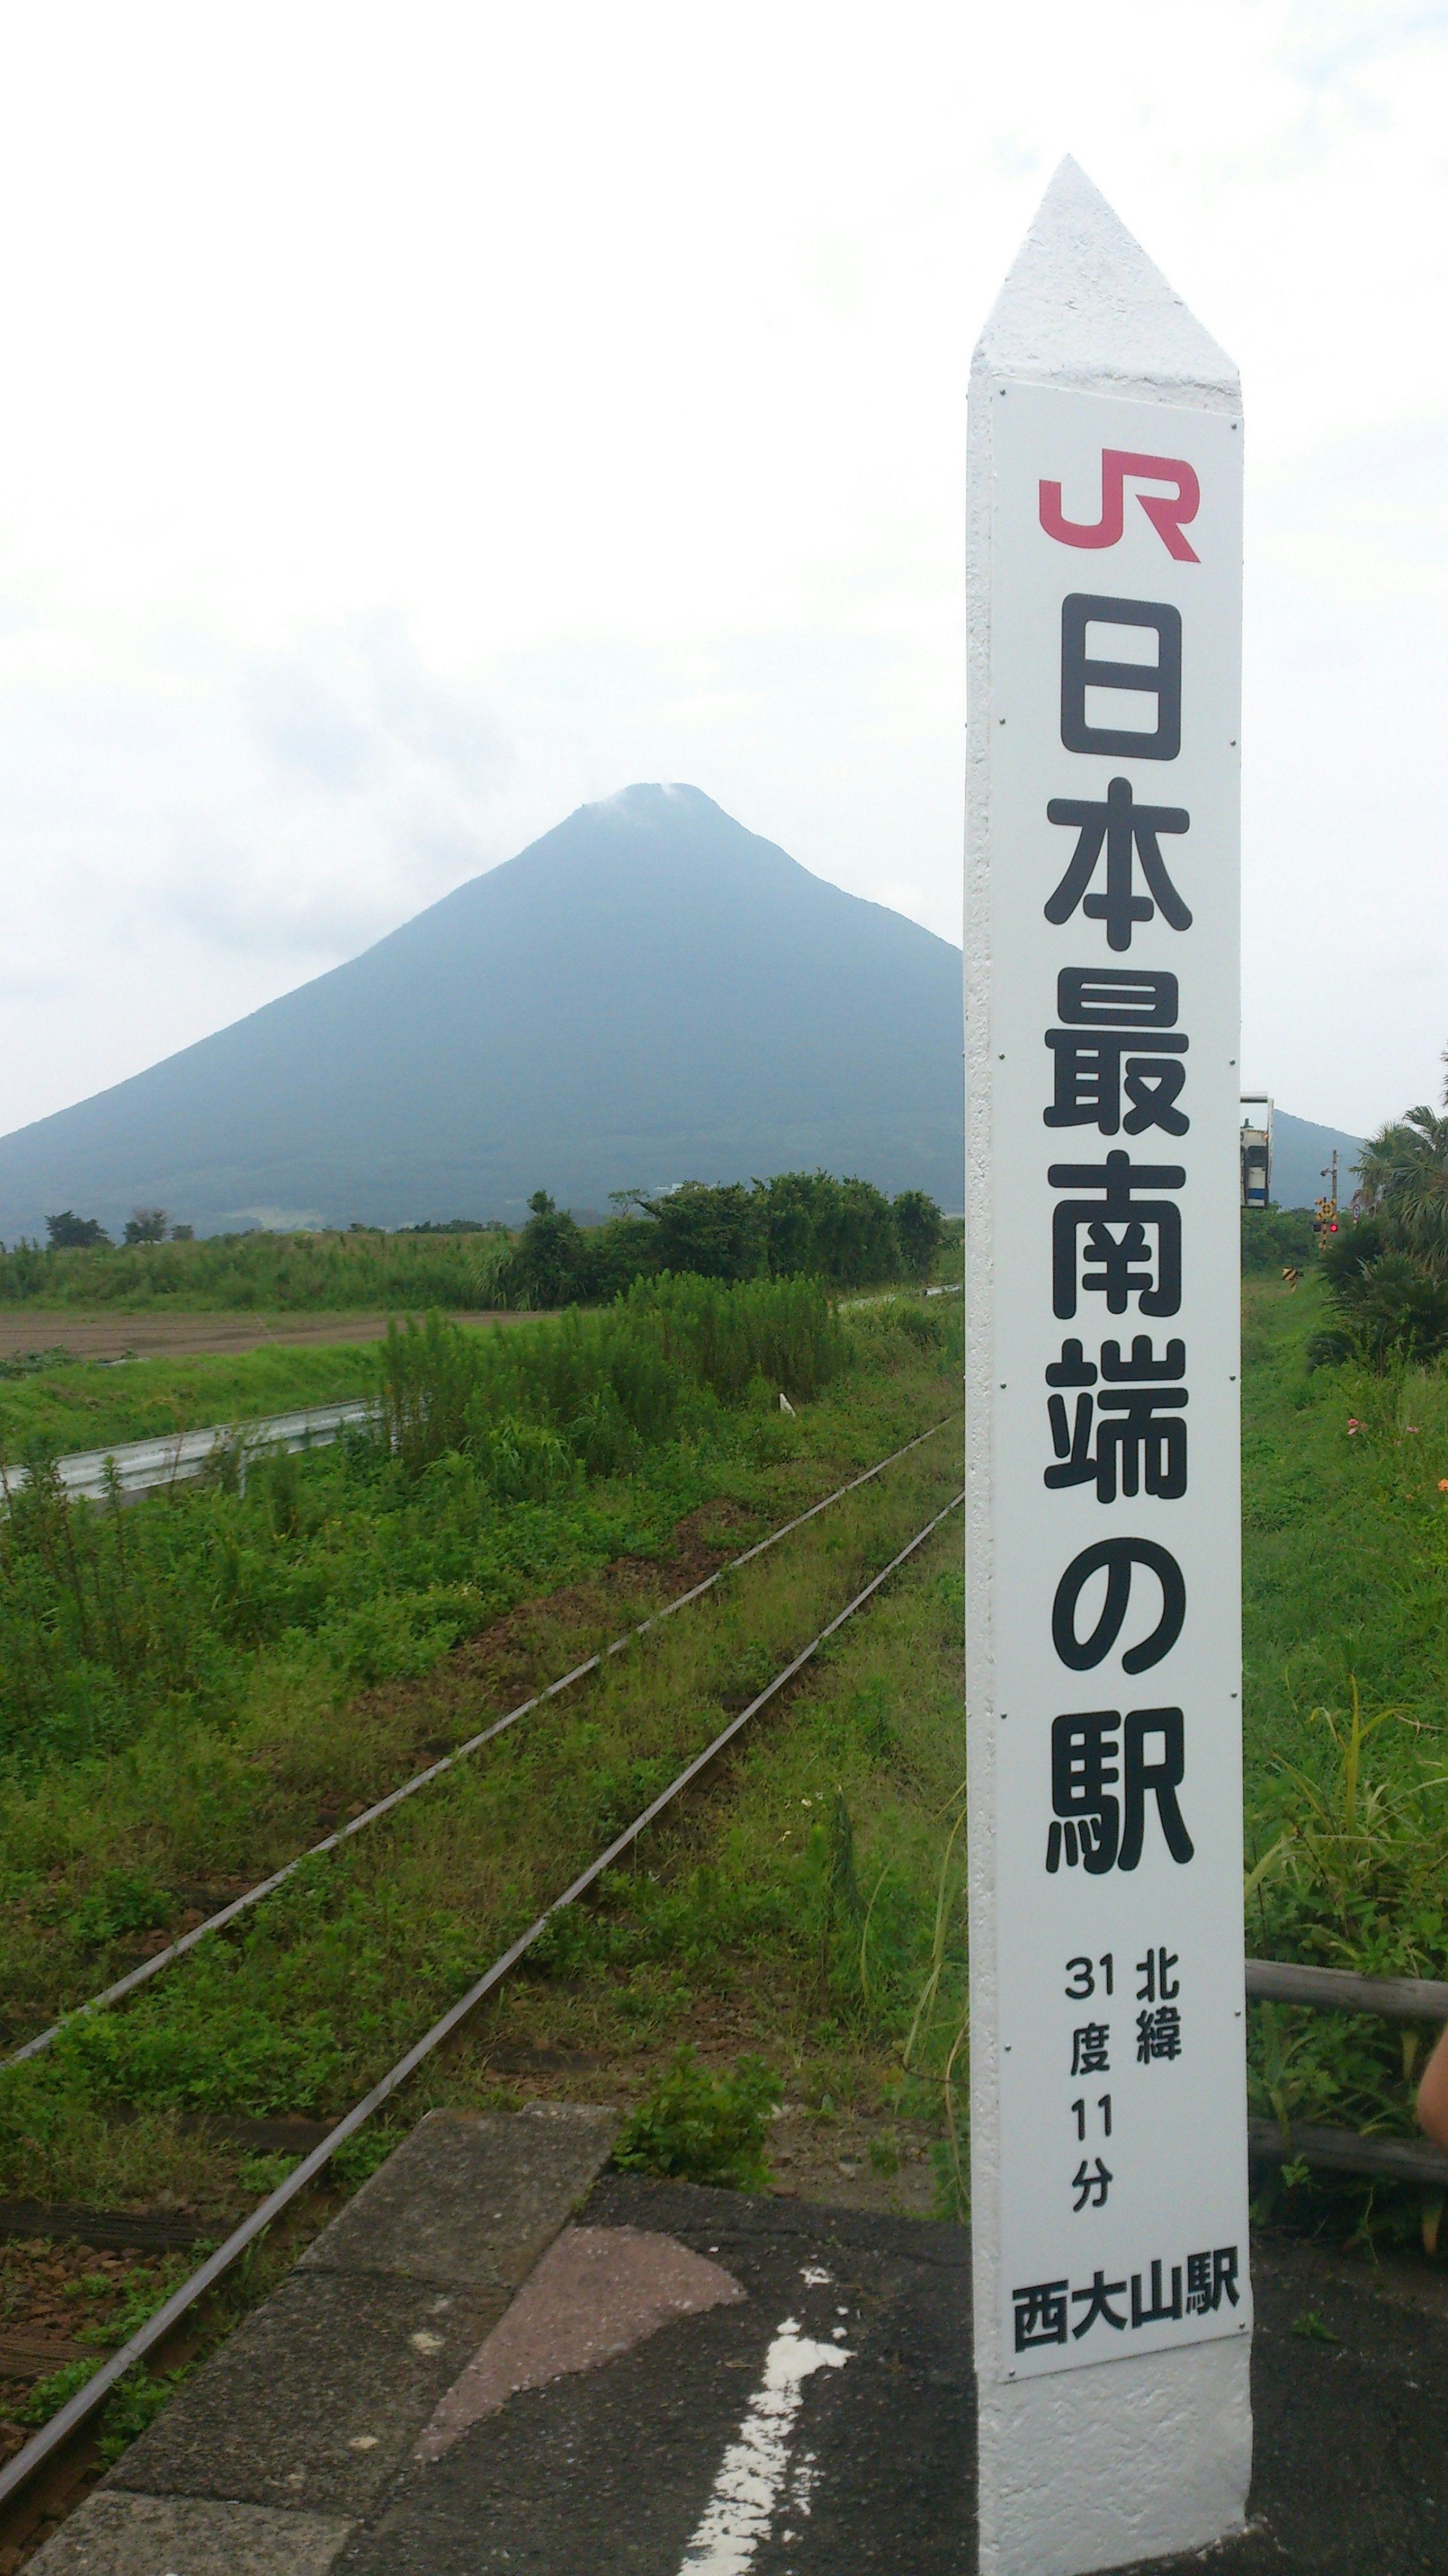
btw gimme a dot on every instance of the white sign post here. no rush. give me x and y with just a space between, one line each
1109 2161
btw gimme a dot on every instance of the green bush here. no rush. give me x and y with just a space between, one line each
1275 1238
703 2128
1387 1309
592 1388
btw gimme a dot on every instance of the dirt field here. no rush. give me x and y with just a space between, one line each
113 1337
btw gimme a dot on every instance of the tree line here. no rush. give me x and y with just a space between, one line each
799 1224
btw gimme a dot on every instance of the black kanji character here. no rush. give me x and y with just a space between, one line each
1210 2279
1158 2034
1091 2185
1118 1556
1040 2314
1128 831
1160 680
1147 1444
1089 2049
1155 1970
1091 1069
1090 1824
1096 2302
1117 1261
1160 2308
1084 1775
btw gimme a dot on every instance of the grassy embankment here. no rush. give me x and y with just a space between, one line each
138 1788
88 1404
1345 1490
794 1906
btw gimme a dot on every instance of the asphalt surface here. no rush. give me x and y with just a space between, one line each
617 2468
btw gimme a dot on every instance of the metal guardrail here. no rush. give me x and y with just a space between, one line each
141 1465
1347 2150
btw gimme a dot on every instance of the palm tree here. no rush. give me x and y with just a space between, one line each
1404 1174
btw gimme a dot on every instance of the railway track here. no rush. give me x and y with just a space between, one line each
152 1967
44 2453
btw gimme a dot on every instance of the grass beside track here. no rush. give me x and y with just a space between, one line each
802 1901
106 1852
1345 1547
306 2003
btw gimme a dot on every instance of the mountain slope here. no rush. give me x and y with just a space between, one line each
1302 1153
648 994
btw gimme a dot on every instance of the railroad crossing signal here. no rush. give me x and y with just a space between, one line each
1324 1223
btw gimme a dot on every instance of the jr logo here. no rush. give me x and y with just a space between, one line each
1168 515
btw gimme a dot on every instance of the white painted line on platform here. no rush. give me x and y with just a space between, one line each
751 2479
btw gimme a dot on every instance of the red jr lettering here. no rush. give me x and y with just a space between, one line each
1169 514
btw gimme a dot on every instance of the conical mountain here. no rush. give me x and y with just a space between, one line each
648 994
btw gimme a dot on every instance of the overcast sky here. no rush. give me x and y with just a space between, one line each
419 419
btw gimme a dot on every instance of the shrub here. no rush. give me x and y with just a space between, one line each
703 2128
1387 1309
602 1384
1275 1238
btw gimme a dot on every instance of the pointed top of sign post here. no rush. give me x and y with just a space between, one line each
1084 306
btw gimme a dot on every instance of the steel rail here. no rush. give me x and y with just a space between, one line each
421 1779
39 2449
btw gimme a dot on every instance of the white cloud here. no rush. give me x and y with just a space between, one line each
417 422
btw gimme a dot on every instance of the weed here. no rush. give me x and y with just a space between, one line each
698 2127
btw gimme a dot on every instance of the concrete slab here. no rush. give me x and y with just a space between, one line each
318 2398
466 2199
136 2535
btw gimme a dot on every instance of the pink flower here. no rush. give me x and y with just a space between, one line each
1352 1426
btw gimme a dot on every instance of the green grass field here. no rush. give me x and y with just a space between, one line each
1345 1543
88 1404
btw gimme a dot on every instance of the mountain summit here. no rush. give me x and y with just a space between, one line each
648 994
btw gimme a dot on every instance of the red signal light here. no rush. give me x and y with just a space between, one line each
1332 1229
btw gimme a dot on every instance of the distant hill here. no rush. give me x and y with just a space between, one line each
648 994
1301 1153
